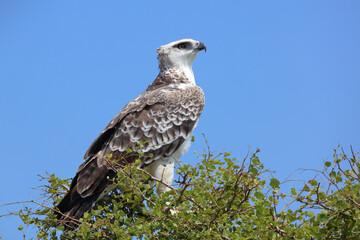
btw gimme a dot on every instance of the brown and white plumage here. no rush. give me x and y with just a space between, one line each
162 117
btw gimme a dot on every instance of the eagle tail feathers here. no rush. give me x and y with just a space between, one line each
83 193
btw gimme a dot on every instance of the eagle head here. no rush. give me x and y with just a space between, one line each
179 54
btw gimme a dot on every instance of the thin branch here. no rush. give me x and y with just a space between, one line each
287 205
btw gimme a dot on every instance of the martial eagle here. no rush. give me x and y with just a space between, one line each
162 117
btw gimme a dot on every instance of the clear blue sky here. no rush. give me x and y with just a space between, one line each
283 76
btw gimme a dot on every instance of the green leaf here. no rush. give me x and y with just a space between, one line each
256 161
328 164
310 214
306 188
321 195
253 170
332 174
338 179
274 183
258 195
322 217
293 191
61 227
313 182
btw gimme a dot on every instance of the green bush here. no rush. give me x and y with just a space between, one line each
222 197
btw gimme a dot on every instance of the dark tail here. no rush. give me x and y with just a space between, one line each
71 209
90 181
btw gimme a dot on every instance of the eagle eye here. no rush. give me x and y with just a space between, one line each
181 46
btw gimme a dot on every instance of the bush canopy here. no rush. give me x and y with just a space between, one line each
221 197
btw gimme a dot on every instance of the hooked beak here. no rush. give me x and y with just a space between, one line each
200 46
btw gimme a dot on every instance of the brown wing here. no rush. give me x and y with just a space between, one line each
162 121
162 126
